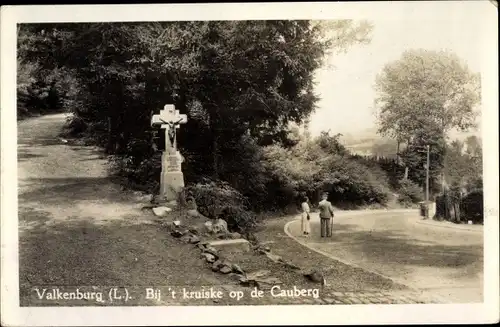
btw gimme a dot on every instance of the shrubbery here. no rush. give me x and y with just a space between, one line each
220 200
308 169
41 91
472 207
409 192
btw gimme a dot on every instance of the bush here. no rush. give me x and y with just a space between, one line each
41 91
472 207
143 175
351 183
219 200
308 169
409 192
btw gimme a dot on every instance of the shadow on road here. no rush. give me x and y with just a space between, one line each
57 190
402 249
24 155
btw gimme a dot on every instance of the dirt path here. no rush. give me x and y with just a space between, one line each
76 227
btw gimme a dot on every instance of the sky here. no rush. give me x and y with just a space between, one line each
346 90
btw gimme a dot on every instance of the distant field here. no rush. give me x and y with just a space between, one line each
369 143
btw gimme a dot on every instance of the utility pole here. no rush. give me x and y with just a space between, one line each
427 175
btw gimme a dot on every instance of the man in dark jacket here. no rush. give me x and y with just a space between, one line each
326 216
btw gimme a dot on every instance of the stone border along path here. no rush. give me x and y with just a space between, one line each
328 295
410 296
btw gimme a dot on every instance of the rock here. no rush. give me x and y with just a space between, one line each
223 236
291 265
193 213
190 238
220 226
274 257
217 265
210 258
167 225
177 223
263 249
200 246
239 245
179 232
147 207
210 249
208 227
216 226
260 279
258 273
265 283
315 276
235 235
225 269
161 211
239 278
193 239
176 233
237 269
194 230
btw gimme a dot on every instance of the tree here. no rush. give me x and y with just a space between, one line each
421 97
241 83
426 87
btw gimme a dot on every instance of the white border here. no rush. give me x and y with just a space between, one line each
483 12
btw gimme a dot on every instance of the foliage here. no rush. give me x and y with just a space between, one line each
220 200
414 156
311 168
463 168
463 190
409 193
426 88
350 182
421 97
472 207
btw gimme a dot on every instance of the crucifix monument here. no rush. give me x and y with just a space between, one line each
172 178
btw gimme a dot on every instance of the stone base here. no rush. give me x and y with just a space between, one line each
238 245
171 184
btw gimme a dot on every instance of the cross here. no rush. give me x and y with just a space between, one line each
170 119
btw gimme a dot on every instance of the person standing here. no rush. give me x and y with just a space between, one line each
306 217
326 216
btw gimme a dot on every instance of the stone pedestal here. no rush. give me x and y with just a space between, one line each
172 178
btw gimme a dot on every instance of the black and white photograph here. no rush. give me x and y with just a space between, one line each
256 163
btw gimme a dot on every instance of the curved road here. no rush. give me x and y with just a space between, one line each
445 262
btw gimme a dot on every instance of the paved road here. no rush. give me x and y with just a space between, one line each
445 262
